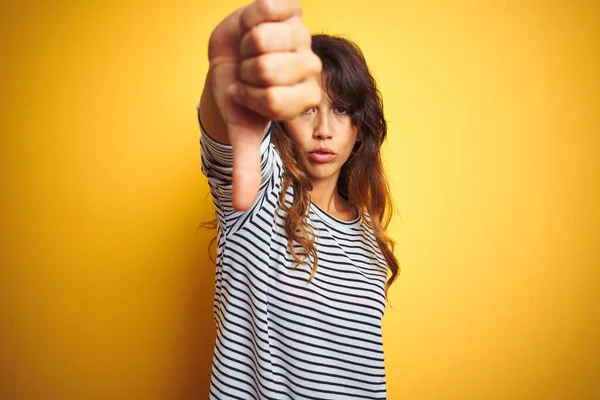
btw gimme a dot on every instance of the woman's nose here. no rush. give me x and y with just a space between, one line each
322 135
322 129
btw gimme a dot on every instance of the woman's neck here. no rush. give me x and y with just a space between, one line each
325 195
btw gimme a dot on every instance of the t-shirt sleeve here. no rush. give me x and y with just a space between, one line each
217 166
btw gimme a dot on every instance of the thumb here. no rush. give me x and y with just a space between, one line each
246 142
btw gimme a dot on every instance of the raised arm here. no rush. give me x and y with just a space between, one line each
262 69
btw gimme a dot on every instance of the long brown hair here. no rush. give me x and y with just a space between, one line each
362 180
347 81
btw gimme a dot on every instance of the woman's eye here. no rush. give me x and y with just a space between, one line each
341 110
309 111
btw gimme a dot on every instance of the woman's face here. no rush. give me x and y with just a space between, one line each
324 137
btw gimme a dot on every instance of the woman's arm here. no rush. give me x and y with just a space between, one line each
262 68
209 115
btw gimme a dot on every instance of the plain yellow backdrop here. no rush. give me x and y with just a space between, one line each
493 157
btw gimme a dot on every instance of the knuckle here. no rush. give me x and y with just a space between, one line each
316 65
315 93
271 103
257 39
301 36
315 97
296 7
287 41
266 8
305 35
294 38
263 68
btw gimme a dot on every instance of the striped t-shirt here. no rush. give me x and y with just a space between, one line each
278 336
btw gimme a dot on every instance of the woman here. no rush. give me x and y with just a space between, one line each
292 127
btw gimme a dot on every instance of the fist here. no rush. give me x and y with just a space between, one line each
262 68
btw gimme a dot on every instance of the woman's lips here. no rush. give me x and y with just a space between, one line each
321 157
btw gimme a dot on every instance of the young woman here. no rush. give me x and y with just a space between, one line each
292 126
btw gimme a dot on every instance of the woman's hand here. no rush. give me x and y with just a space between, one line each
262 68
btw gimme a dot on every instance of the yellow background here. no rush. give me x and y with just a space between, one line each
493 156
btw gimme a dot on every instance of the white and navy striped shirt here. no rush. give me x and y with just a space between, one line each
278 336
